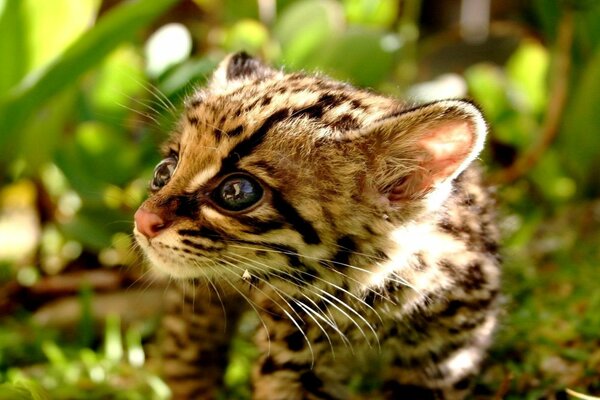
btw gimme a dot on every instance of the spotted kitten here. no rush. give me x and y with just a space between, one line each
352 223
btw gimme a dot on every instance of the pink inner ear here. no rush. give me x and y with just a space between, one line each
447 146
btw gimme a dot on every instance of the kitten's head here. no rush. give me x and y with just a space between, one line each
270 173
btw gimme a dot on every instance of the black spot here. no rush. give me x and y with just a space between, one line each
346 246
195 102
289 213
452 308
268 366
420 264
311 382
314 111
395 390
235 131
370 298
369 230
491 246
345 122
328 100
392 286
266 101
259 227
193 120
356 104
468 200
448 267
474 278
295 341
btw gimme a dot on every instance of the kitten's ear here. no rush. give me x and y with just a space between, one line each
424 149
239 66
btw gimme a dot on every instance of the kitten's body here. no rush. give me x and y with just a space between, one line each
371 239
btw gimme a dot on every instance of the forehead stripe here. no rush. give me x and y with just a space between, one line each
246 146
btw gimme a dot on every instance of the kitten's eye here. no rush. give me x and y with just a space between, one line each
237 192
163 172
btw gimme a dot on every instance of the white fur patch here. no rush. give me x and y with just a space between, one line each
201 178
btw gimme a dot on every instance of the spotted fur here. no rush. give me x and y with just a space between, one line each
374 239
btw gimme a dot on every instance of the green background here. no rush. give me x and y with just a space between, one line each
85 101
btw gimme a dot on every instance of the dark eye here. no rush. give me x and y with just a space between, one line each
237 192
163 172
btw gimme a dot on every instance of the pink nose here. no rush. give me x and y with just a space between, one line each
148 223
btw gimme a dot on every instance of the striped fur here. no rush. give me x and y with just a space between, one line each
374 239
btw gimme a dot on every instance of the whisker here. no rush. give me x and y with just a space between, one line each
285 312
310 311
253 305
330 321
319 278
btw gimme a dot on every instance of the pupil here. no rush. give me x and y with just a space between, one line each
237 190
163 172
238 193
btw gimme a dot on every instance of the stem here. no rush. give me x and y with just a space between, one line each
557 100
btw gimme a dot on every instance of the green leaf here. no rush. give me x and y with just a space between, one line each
188 74
527 69
118 84
115 27
24 389
247 34
13 47
305 26
366 62
380 13
54 25
40 135
487 85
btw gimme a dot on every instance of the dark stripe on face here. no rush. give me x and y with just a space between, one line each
186 206
246 146
287 251
203 232
258 226
299 224
198 246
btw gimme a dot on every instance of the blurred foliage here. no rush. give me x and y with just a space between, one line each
89 88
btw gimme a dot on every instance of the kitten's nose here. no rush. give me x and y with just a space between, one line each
148 223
